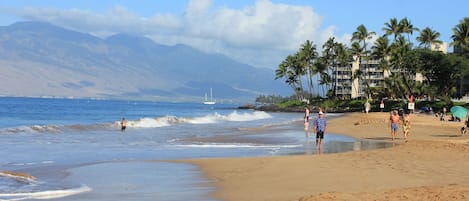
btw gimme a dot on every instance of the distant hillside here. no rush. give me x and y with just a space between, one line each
40 59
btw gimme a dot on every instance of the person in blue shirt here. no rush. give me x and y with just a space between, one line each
320 128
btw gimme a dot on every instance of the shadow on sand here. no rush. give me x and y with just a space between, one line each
382 138
459 135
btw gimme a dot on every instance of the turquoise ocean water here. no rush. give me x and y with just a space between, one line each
75 150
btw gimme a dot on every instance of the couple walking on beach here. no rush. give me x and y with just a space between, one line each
319 126
395 120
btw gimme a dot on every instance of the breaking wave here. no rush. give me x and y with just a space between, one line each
46 194
21 186
208 119
145 122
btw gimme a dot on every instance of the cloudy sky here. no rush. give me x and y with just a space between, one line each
258 32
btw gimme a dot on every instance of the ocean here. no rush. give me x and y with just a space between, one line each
73 149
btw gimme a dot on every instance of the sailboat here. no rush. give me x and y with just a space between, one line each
211 101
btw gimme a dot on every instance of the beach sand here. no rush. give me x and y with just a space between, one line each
432 165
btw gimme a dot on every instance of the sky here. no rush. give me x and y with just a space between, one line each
261 33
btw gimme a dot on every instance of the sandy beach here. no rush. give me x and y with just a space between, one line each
432 165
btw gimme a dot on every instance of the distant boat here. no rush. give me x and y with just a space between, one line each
211 101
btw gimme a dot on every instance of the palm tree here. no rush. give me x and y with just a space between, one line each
399 51
390 88
329 59
461 43
283 71
392 28
428 37
289 70
335 55
362 35
328 50
298 71
307 58
461 37
356 49
407 27
344 57
325 79
381 51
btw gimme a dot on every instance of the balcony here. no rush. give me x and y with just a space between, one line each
346 69
370 69
343 92
343 84
376 77
342 77
370 62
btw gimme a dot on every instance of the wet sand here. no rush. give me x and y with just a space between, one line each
432 165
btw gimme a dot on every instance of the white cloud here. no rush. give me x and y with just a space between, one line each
197 8
262 34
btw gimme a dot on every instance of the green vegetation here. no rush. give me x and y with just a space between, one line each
272 99
357 105
443 75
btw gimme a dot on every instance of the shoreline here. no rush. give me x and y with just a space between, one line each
432 164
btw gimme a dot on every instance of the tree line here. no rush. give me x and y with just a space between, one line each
443 74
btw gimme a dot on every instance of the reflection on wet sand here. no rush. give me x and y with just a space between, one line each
318 151
307 143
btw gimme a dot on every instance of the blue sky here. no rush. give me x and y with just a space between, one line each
258 32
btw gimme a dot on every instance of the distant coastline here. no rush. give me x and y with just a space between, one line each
276 108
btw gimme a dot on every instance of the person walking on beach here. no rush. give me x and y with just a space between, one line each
465 127
320 128
381 105
394 121
367 106
123 124
306 119
406 124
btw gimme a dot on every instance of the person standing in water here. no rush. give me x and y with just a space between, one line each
123 124
320 128
306 119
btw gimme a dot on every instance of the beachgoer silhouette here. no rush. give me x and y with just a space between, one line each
123 124
306 119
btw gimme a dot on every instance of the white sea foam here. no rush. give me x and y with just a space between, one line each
208 119
234 116
32 129
146 122
256 115
47 194
237 145
46 128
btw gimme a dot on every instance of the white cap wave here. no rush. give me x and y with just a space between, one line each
148 122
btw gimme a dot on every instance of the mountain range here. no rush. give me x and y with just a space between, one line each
41 59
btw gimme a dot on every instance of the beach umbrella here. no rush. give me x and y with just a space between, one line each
459 111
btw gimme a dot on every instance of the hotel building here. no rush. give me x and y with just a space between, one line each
349 87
